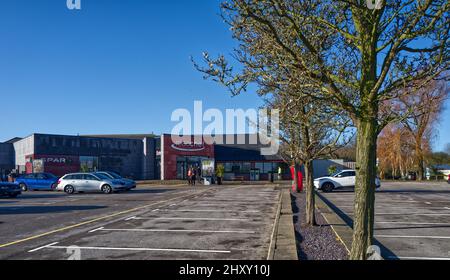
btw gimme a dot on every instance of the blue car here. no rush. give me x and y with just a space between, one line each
37 181
9 189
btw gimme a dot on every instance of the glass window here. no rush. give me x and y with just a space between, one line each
77 177
90 177
101 176
345 174
268 167
246 166
41 176
228 167
259 165
236 167
88 164
68 177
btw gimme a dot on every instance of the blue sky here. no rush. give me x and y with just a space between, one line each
114 67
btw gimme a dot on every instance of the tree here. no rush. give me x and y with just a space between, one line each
358 56
427 102
396 151
309 130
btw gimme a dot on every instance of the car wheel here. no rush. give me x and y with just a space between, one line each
327 187
107 189
23 187
69 189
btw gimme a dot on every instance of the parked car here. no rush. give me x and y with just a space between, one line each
37 181
89 182
341 179
448 181
131 184
9 189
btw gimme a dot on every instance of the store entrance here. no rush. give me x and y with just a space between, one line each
184 163
254 174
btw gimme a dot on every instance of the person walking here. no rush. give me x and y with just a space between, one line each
189 176
194 176
199 174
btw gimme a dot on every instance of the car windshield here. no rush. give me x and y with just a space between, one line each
114 175
49 175
102 176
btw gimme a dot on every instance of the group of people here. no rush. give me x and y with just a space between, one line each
193 174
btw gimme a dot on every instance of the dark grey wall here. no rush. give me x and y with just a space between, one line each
6 156
120 155
149 159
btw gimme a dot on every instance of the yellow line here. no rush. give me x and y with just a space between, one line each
93 221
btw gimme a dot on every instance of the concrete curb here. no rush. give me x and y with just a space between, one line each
283 244
343 231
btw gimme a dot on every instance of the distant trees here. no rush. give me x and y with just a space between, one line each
426 103
403 147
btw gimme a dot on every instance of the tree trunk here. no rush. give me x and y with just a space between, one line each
419 159
310 194
364 212
296 170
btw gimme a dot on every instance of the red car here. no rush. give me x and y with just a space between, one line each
448 181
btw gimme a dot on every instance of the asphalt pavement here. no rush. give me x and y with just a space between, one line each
412 219
153 222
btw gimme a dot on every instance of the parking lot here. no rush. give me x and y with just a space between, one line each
233 222
412 219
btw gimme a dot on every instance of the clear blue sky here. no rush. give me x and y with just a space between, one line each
114 67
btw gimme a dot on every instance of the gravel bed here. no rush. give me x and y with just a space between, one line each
315 243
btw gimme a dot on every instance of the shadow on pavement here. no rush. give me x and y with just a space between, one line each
349 221
298 237
21 210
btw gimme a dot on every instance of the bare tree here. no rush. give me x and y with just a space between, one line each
358 56
310 130
427 103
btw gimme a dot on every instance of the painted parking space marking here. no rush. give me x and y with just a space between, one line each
413 223
97 229
178 230
188 219
43 247
412 236
203 210
418 258
93 221
53 246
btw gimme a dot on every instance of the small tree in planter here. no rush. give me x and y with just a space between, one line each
220 172
332 169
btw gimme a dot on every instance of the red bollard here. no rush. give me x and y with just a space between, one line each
299 187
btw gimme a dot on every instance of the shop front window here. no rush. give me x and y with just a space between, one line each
268 167
88 164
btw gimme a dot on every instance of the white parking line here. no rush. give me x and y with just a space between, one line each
138 249
43 247
418 258
203 210
130 218
414 223
180 230
189 219
97 229
415 237
408 214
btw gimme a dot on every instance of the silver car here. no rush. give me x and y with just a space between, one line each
130 184
88 182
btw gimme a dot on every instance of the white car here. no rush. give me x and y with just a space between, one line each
88 182
342 179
